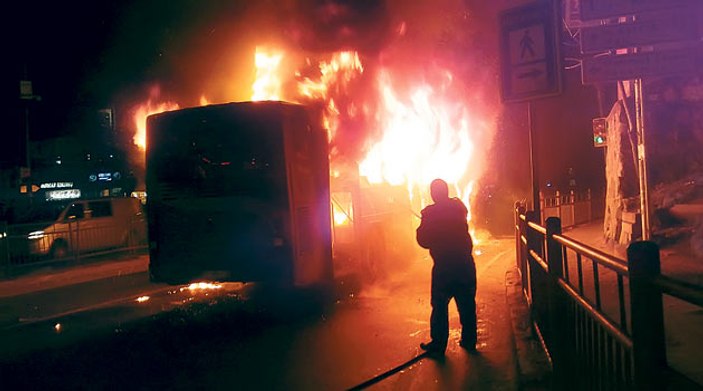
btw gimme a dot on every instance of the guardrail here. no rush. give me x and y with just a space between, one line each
571 208
44 243
600 318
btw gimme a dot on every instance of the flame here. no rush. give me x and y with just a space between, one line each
425 132
426 135
338 216
268 85
338 72
204 101
342 208
428 128
144 110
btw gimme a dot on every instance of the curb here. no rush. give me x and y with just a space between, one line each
534 367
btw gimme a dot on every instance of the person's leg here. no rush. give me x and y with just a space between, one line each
439 319
465 298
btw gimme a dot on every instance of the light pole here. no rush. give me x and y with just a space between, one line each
27 95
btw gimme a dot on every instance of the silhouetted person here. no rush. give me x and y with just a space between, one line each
445 232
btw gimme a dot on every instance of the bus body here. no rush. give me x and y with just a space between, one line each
239 192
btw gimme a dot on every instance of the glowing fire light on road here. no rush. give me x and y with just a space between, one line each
201 286
144 110
142 299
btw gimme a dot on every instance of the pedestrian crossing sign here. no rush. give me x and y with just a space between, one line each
529 52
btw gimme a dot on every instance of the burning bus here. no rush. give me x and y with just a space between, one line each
242 192
239 192
387 133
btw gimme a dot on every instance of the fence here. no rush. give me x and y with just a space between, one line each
599 317
43 243
571 208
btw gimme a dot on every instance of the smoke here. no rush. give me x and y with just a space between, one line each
209 53
333 25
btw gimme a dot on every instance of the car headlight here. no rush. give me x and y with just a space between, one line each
35 235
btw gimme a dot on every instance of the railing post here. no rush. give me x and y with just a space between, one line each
542 206
79 240
4 249
572 201
519 229
648 343
523 248
533 243
559 326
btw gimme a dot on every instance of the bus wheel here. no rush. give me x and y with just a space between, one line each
59 249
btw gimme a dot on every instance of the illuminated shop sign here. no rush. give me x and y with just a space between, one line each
56 185
67 194
105 176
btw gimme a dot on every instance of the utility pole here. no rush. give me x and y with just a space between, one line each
27 95
642 159
28 160
533 169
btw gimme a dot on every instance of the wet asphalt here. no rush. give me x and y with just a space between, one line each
362 333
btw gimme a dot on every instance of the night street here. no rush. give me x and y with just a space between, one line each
246 337
290 194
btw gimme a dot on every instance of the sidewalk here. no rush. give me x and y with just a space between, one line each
683 321
677 260
50 277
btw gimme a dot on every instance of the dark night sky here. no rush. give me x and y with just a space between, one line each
86 55
58 46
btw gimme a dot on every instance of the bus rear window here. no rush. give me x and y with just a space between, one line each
221 158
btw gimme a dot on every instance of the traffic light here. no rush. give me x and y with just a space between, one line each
600 127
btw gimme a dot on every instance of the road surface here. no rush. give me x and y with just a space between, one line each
124 332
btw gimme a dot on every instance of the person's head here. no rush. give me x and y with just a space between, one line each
439 190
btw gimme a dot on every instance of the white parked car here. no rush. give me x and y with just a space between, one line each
91 225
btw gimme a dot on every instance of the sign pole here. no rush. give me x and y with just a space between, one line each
530 66
642 159
533 169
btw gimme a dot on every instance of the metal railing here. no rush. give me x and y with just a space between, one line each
45 243
571 208
600 318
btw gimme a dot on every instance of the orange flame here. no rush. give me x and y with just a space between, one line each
425 136
268 85
342 68
425 132
338 216
141 112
